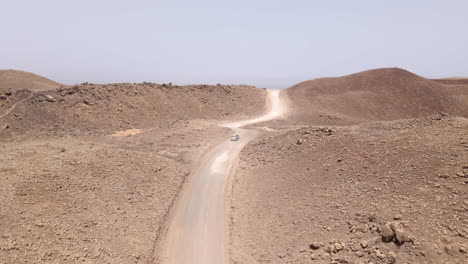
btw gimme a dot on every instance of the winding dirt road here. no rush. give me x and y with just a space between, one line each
197 231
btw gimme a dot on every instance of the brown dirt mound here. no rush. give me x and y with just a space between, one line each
380 94
20 80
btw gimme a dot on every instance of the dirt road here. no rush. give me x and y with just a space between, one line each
9 110
197 229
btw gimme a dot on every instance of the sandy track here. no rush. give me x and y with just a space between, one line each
196 233
9 110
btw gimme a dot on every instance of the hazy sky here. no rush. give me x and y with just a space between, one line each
266 43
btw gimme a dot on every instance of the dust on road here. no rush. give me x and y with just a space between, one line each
196 233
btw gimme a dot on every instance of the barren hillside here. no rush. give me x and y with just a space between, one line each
92 108
383 181
90 172
380 94
20 80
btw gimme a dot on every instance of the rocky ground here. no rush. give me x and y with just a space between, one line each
380 192
88 173
93 199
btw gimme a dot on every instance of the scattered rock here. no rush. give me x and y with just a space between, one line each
364 244
326 130
50 98
400 236
379 254
339 246
331 249
387 233
314 256
87 102
391 257
314 245
462 249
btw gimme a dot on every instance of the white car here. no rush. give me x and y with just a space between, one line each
234 137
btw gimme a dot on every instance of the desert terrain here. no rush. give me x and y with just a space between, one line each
90 172
366 168
197 229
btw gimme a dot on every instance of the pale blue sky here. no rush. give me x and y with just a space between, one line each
267 43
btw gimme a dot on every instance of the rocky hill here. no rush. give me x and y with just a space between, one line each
96 108
366 168
380 94
21 80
